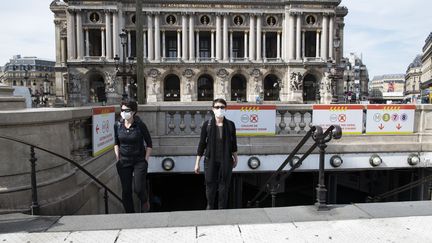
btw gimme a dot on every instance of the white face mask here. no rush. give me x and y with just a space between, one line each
126 115
219 113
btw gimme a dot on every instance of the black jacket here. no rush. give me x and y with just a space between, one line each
132 141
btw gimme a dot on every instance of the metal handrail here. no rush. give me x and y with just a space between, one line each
35 205
273 182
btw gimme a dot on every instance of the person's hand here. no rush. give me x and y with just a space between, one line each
197 168
234 162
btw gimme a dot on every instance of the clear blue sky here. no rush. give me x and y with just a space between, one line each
388 33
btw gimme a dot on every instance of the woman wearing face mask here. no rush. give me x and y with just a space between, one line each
133 146
218 143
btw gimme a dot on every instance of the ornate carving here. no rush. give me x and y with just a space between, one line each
153 73
74 83
222 73
188 73
111 82
256 73
296 81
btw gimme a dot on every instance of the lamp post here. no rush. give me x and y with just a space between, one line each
46 90
123 72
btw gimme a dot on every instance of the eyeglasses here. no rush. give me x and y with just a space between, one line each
126 110
219 107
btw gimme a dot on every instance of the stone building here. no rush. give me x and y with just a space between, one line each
356 79
388 88
426 69
197 50
412 81
34 73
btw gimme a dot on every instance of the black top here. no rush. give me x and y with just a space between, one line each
203 143
131 140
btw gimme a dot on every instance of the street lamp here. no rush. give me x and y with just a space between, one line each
123 73
46 90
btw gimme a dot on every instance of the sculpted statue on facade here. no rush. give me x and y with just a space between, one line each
74 83
188 73
153 74
111 82
296 81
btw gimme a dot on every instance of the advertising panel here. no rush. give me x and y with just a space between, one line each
349 117
103 129
253 120
390 119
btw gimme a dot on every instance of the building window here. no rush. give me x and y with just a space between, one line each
238 88
204 45
238 45
238 20
172 88
171 19
171 44
310 44
271 21
94 17
133 18
95 48
205 88
271 87
271 45
205 20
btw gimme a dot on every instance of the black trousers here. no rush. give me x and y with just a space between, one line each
219 184
136 173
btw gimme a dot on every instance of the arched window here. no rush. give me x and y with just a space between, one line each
238 88
310 88
97 88
271 87
172 88
205 88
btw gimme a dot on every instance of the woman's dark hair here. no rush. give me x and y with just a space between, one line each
131 104
219 100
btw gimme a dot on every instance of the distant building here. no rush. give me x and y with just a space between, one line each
356 79
426 69
412 81
388 88
198 50
34 73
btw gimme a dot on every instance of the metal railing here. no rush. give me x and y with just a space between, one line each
34 208
273 182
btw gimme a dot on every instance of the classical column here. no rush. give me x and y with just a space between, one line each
145 43
331 33
259 38
103 42
116 43
70 34
63 50
191 38
87 46
278 43
245 45
264 46
157 38
121 27
324 37
163 45
129 44
185 38
283 47
218 37
225 38
197 45
80 37
252 38
58 51
291 42
179 46
108 35
303 43
298 37
317 55
231 44
212 46
150 37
